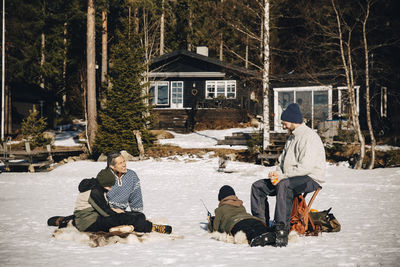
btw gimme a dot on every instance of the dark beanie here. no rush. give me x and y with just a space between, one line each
225 191
106 178
292 114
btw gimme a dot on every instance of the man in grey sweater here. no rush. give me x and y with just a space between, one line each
301 168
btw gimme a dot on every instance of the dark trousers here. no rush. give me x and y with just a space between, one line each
284 191
137 219
251 227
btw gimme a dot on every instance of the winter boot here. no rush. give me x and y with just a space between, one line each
282 233
122 229
65 220
264 239
55 220
164 229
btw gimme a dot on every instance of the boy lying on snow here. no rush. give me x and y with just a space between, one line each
231 217
93 214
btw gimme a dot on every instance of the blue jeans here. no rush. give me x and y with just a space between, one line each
284 191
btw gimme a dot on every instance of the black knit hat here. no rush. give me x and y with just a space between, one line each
106 178
225 191
292 114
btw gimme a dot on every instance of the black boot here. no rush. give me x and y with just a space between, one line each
55 220
60 221
282 233
64 222
164 229
264 239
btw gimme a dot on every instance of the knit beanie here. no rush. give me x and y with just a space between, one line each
106 178
225 191
292 114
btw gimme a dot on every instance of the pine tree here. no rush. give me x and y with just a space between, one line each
125 107
33 127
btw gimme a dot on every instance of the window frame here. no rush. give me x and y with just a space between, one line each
181 87
156 85
229 88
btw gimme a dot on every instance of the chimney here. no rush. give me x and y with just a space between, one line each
202 50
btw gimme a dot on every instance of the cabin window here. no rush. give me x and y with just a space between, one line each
225 89
315 104
344 101
159 92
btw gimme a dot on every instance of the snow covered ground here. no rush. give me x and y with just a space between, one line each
205 139
366 203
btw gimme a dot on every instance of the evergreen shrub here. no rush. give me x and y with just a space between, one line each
32 129
125 108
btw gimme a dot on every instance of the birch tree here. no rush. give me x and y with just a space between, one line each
367 82
265 80
347 61
162 27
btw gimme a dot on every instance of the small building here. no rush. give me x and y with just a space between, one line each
188 87
318 103
19 100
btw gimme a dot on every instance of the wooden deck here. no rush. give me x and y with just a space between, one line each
32 159
271 153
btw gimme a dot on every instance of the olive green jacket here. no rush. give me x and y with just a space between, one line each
91 204
230 211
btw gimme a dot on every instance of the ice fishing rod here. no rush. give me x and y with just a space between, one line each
208 212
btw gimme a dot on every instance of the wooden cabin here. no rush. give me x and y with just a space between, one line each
188 88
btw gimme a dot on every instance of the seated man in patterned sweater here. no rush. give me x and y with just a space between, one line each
126 192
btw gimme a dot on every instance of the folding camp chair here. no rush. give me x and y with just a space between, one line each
300 220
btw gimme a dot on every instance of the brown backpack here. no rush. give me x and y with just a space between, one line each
300 220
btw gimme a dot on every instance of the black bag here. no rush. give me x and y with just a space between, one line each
325 221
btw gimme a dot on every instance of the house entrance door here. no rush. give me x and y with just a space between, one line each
176 94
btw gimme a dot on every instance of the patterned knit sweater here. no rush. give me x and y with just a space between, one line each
126 193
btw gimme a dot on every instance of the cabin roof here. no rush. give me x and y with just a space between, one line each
159 62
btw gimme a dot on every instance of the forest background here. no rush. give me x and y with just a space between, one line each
46 43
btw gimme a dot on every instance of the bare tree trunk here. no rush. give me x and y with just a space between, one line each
147 54
129 22
162 28
189 38
347 65
8 113
246 63
42 51
367 88
221 41
262 36
42 59
138 136
136 19
221 48
104 40
91 74
265 80
64 73
146 37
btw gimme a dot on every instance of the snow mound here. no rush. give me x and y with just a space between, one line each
239 238
101 239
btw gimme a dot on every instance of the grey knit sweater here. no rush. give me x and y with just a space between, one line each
304 154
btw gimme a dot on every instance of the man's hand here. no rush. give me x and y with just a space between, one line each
273 174
118 210
274 177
